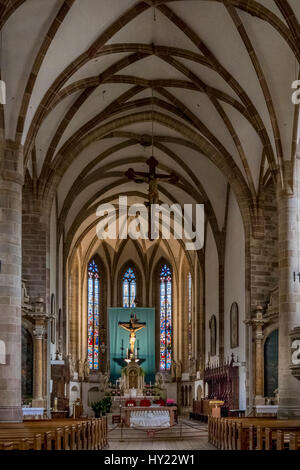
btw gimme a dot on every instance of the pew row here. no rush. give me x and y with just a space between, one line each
253 433
59 434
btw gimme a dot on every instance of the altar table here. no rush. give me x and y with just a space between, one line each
150 416
33 413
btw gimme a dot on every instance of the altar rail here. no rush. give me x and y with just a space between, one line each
63 434
254 433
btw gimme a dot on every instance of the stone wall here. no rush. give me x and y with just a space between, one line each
35 245
264 252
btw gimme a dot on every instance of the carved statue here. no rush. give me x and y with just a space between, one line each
86 369
71 366
178 370
173 369
80 369
103 382
133 326
192 366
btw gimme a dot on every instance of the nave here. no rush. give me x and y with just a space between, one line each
149 223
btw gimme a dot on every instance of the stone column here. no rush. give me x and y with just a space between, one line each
11 180
289 297
38 334
257 324
259 354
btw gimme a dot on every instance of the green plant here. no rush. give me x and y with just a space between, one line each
106 404
97 407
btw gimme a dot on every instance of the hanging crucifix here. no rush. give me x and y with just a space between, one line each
152 179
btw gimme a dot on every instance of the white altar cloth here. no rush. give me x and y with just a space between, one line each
33 412
150 419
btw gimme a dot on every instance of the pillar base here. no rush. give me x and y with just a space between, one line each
288 412
38 403
11 414
259 400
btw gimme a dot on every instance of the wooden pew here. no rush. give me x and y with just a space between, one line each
294 441
251 433
265 434
58 434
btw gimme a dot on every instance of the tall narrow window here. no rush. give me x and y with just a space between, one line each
129 288
93 315
165 318
190 326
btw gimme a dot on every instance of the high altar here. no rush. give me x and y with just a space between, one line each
132 380
132 349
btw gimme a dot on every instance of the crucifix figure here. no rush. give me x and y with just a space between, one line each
133 326
152 179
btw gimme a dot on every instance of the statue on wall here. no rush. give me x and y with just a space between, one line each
80 370
71 364
173 369
86 369
192 367
103 382
178 370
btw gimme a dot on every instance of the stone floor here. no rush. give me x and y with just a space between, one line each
186 435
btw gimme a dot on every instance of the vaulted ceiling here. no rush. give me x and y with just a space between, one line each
88 79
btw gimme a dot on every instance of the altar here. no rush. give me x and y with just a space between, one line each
151 417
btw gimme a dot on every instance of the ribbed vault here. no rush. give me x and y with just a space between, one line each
88 79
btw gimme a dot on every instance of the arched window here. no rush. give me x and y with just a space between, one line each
93 315
190 325
129 288
165 318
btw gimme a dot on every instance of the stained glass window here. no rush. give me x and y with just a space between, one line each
165 318
189 315
129 288
93 315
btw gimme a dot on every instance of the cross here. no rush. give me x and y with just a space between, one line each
152 179
133 326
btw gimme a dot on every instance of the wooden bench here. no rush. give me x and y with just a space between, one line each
251 433
58 434
294 441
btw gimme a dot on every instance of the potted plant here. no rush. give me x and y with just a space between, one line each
97 407
106 404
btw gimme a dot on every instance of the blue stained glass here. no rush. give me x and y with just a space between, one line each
129 288
93 315
165 318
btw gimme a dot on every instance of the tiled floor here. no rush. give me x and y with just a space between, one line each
187 435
